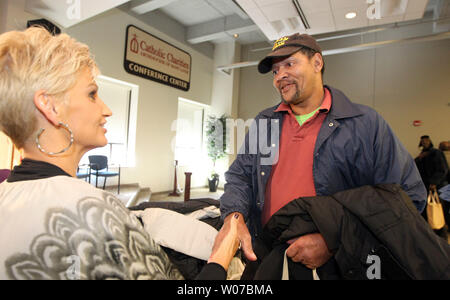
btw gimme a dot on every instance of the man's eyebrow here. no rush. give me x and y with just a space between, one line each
282 61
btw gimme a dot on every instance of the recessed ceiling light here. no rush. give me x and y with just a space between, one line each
350 15
235 35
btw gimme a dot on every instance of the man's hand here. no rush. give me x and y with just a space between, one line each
310 250
242 234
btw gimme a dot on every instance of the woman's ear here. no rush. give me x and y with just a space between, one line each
46 106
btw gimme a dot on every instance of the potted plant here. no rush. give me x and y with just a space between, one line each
216 135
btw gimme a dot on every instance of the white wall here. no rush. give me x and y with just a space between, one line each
402 82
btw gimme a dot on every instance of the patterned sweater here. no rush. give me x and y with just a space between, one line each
64 228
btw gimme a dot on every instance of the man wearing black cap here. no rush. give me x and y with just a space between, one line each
326 144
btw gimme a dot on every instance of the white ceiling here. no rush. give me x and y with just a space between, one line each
280 17
252 20
267 20
193 12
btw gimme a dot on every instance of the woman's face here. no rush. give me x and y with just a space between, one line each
86 113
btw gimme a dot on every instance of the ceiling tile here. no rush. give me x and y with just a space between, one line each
416 5
315 6
279 11
191 12
247 4
344 4
257 16
222 6
320 22
342 23
261 3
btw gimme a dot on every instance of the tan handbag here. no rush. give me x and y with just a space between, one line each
435 212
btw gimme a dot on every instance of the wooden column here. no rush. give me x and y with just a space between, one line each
187 186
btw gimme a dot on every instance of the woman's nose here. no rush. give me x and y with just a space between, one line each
106 111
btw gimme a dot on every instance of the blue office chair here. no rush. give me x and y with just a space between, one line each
99 165
84 172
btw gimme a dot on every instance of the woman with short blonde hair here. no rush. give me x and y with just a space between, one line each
32 60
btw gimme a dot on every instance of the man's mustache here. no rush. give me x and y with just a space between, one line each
283 82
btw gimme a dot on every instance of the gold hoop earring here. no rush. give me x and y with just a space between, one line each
41 131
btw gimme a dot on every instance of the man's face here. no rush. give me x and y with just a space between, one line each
295 77
426 143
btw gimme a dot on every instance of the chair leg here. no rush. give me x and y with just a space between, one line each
104 183
118 186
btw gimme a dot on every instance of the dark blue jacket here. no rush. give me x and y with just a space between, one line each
355 147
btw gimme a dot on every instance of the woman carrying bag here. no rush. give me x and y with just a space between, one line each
433 170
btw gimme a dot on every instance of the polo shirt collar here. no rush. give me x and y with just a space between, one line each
341 106
324 107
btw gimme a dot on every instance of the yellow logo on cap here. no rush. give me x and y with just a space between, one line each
280 42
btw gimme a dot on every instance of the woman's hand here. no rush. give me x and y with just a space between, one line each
233 233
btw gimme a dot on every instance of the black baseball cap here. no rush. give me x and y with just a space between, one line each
286 46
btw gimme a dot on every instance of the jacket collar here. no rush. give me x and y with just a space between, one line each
341 106
32 170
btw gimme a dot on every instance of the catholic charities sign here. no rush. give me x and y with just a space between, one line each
151 58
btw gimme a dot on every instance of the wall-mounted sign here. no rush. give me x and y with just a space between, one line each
417 123
152 58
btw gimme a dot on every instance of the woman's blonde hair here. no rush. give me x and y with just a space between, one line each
34 60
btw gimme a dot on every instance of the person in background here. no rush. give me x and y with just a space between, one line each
432 164
444 146
433 169
325 144
53 225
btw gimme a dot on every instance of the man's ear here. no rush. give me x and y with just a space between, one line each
317 62
46 106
